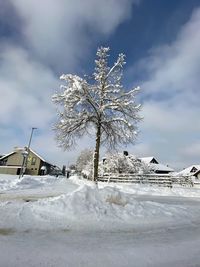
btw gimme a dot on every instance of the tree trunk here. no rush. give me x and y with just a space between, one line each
96 154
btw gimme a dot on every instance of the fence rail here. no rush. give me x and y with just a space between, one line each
151 179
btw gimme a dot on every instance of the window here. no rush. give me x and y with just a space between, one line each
3 162
193 169
33 161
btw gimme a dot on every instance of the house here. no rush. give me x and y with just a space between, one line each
12 163
155 166
193 170
129 163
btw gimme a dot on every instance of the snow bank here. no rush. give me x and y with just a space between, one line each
176 190
79 204
144 189
90 208
12 182
124 218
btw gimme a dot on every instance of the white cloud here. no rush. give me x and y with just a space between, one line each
167 119
175 68
54 37
25 88
59 32
171 96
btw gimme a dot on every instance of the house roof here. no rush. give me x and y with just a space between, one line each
7 155
44 160
160 167
188 171
154 165
148 159
39 156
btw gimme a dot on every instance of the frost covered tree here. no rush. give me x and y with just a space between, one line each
121 163
84 160
99 104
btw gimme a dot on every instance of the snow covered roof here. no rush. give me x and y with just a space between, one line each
149 160
190 170
160 167
39 156
42 159
154 165
7 155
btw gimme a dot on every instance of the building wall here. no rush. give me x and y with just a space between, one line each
15 159
33 164
7 170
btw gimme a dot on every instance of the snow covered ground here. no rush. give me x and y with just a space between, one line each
48 221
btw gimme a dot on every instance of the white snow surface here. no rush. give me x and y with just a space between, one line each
92 226
57 203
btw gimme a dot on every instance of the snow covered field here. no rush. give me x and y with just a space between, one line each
48 221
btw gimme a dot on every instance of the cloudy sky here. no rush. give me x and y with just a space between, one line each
40 40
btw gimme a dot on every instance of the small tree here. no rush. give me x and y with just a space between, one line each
83 162
102 103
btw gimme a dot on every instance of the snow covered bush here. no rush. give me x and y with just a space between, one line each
98 104
120 163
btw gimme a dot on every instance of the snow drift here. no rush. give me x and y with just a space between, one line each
90 208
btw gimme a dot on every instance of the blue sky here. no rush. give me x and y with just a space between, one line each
40 40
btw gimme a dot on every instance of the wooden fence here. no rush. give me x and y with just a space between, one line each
151 179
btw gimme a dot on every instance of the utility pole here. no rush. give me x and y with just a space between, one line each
29 143
26 153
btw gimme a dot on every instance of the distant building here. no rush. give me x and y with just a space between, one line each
12 163
155 166
193 170
150 164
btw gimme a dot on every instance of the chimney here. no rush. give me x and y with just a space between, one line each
126 153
